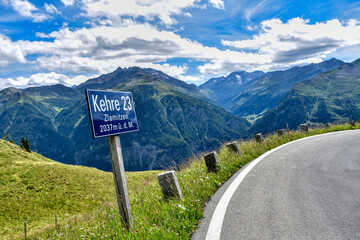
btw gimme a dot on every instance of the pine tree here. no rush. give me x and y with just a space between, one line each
25 144
22 143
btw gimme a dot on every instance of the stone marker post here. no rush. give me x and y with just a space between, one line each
280 132
259 138
170 185
212 162
234 147
304 128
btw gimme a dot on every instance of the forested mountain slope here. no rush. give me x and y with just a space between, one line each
330 97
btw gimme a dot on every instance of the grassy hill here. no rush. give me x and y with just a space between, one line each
34 189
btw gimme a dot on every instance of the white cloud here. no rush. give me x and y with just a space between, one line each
9 52
41 79
298 40
192 79
26 9
163 9
68 2
217 4
102 49
23 7
50 8
187 15
150 9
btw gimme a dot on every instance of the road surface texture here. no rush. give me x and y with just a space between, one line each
308 189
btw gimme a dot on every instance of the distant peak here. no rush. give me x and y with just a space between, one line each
133 68
11 90
10 93
238 72
334 60
356 62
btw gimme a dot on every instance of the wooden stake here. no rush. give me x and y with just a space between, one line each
120 180
25 229
56 226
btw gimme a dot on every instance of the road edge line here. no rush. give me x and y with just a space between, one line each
214 228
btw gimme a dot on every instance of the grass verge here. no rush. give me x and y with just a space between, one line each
155 218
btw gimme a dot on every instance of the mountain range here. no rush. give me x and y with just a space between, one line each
175 120
179 120
223 89
259 92
330 97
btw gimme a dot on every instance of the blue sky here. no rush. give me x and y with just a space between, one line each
69 41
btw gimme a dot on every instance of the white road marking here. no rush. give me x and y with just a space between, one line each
217 219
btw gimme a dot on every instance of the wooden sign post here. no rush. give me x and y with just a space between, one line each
120 180
113 113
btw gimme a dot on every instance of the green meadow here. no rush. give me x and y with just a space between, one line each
35 189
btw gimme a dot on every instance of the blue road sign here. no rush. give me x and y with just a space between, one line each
111 112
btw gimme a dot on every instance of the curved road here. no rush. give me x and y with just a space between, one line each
308 189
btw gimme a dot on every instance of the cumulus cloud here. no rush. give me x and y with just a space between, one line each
10 52
102 49
135 42
229 61
298 40
26 9
41 79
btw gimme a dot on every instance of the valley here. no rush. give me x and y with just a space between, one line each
179 120
260 92
176 122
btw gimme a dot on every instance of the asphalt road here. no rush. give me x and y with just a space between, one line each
309 189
